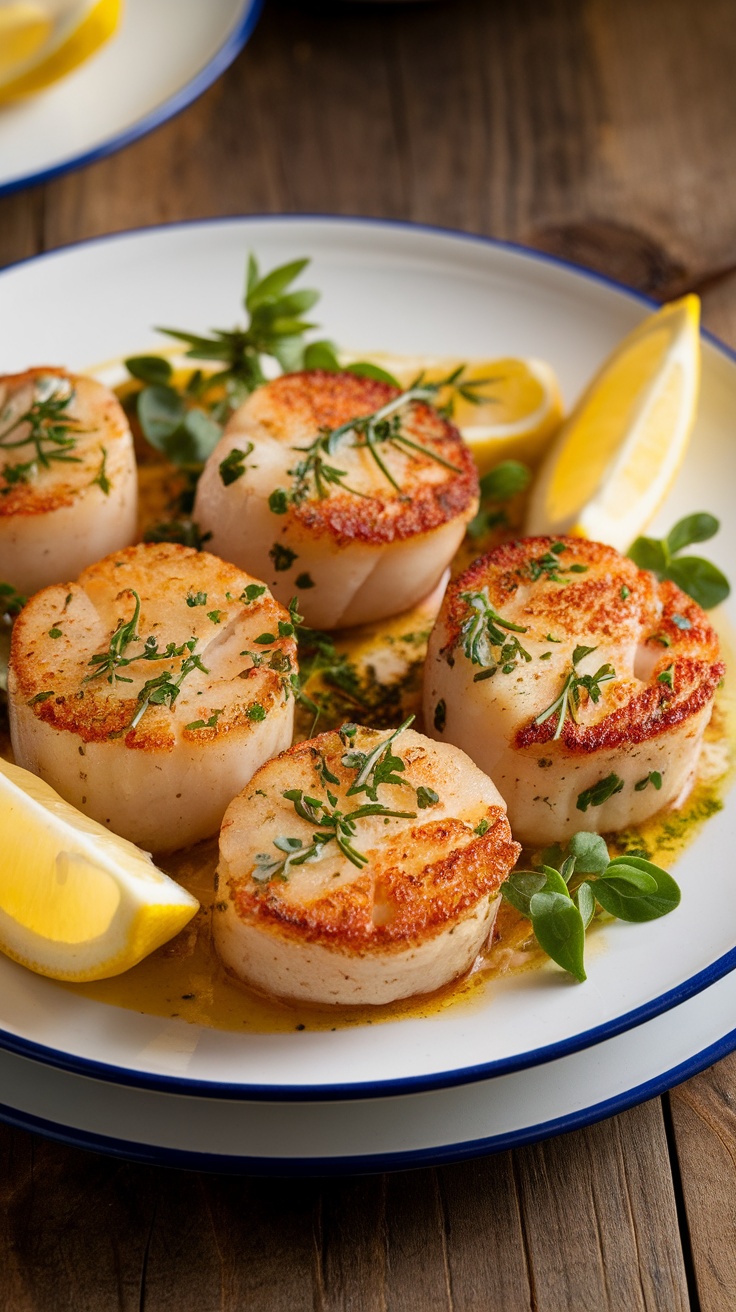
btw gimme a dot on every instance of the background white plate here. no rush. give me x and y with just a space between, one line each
406 289
164 55
411 1129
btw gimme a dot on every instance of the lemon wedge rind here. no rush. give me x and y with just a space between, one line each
620 449
77 902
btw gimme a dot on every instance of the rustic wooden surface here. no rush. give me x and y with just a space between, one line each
602 130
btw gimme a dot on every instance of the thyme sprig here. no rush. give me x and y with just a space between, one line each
108 663
487 638
378 766
313 475
568 701
52 432
164 689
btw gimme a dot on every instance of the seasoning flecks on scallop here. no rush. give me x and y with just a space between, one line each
149 691
360 867
68 481
580 683
358 530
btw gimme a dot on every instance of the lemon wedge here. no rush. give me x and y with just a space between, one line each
618 452
518 405
77 902
38 46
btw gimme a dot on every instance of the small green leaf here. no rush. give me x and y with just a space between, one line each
631 874
590 852
269 288
204 432
321 355
584 899
364 369
233 466
426 797
693 528
504 481
700 579
440 715
252 593
620 898
152 369
304 581
278 502
256 712
648 553
520 887
161 412
559 930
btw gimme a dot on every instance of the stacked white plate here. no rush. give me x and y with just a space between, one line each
177 48
536 1054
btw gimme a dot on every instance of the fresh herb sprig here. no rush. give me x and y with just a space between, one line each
313 475
488 639
186 423
46 426
164 689
11 601
568 702
560 904
373 768
699 578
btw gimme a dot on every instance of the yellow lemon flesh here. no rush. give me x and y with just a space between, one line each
618 452
77 902
517 406
36 49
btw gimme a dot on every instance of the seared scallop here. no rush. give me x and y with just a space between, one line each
149 691
68 486
358 526
360 867
580 683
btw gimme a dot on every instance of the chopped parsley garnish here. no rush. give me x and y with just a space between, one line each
667 676
196 599
283 557
252 593
654 778
304 581
488 639
256 711
233 466
599 793
211 723
440 715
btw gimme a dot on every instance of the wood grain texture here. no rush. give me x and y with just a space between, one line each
704 1122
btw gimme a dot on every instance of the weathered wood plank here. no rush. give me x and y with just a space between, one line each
21 226
600 1219
704 1123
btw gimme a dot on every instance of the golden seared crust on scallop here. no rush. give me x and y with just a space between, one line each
606 674
186 597
148 691
406 914
68 482
358 530
295 407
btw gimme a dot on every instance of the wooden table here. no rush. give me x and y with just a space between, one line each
600 130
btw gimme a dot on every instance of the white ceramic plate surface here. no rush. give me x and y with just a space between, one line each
164 54
412 290
374 1134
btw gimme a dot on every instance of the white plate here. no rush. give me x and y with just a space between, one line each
374 1134
164 55
413 290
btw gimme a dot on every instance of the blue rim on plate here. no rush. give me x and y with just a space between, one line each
371 1164
406 1084
222 59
